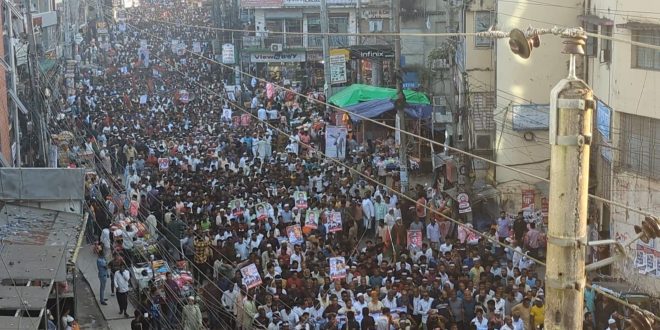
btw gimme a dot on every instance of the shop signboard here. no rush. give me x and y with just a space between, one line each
261 3
313 3
372 53
376 13
284 57
228 54
337 69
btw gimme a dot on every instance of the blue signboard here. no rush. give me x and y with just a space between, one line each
530 117
603 120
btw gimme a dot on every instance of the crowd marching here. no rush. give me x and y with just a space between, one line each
213 213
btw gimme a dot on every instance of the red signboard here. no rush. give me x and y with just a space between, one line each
544 209
528 197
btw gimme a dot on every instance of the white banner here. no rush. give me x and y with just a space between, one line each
335 141
228 54
337 69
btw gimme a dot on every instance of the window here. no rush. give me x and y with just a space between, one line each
606 45
338 24
640 146
293 39
482 22
314 26
376 25
645 58
592 42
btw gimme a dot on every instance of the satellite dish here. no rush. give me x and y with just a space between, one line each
522 45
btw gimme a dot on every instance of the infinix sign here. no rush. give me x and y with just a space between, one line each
277 57
375 54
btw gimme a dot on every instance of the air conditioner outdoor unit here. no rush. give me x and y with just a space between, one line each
482 142
276 47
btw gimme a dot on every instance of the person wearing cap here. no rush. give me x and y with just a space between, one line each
523 310
191 316
537 313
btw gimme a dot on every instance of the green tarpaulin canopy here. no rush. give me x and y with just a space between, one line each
357 93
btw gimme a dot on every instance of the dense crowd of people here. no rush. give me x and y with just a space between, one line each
182 167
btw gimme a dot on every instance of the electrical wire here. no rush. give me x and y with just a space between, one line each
362 117
408 34
368 178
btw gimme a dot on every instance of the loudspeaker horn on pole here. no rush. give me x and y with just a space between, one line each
522 45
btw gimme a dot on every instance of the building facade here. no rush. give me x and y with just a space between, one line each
626 154
523 97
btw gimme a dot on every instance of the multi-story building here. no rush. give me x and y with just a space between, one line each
279 47
626 152
625 162
279 50
523 96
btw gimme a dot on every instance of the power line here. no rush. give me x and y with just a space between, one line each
491 34
368 178
598 198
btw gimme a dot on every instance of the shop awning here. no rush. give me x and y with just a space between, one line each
357 93
639 26
595 19
375 108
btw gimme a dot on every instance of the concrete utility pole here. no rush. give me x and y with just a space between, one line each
36 106
401 99
15 110
571 107
325 28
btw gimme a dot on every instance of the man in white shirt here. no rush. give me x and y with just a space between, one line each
384 321
122 278
368 213
262 114
390 300
424 306
518 323
480 322
508 324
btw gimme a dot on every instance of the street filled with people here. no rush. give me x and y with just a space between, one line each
217 209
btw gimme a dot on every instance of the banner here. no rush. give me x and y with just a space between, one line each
163 164
312 218
463 203
335 141
197 47
251 277
414 240
261 211
337 69
245 120
300 198
228 54
237 207
294 233
528 197
334 222
337 268
236 120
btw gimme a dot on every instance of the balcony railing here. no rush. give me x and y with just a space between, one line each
294 41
